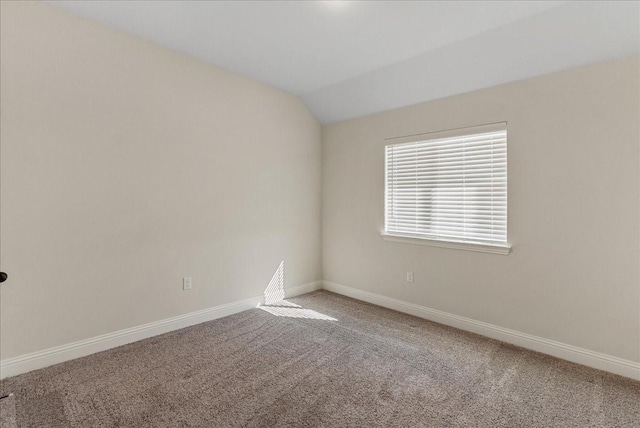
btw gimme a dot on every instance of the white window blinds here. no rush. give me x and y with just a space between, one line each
449 189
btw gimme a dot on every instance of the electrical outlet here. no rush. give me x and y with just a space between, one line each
409 276
186 283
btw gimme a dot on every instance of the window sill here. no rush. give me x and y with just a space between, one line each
468 246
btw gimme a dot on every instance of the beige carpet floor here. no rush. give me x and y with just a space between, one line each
7 412
321 360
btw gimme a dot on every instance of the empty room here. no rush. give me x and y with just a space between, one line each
319 214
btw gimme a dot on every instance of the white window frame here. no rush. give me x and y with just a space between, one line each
502 248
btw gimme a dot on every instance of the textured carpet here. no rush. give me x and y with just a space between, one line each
8 412
322 360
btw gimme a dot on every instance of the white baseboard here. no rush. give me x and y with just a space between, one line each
40 359
303 289
627 368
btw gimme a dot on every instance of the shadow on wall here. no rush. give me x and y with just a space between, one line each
275 304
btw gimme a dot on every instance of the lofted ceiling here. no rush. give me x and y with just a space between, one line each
348 59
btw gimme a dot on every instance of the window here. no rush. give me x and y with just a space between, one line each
450 189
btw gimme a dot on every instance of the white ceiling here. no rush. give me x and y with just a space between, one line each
348 59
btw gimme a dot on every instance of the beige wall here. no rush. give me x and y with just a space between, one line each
125 167
573 154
